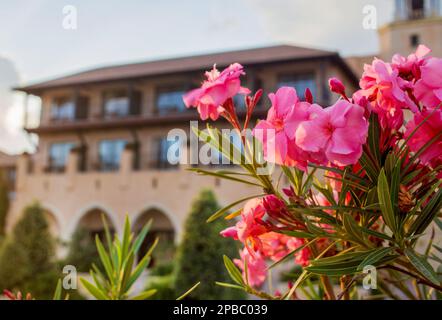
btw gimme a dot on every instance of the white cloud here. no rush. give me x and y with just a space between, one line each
12 137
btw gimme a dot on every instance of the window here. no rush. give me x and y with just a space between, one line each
58 155
116 104
170 100
160 154
62 108
414 40
300 82
236 152
110 154
416 9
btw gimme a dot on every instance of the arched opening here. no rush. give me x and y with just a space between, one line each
92 222
161 228
53 224
82 252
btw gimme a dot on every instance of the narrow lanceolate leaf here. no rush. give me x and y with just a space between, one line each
145 295
104 257
93 290
353 229
429 213
188 291
422 266
233 271
222 211
375 256
344 268
385 202
57 293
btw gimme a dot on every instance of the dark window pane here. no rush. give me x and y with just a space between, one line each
300 82
170 100
163 147
110 154
58 155
63 109
116 104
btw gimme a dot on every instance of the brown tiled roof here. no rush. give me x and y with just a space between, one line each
184 64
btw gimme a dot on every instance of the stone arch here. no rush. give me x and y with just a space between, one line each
89 217
163 228
55 220
173 219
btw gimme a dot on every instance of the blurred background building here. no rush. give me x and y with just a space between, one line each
102 134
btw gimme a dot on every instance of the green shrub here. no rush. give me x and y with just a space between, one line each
162 269
82 251
164 286
200 254
27 256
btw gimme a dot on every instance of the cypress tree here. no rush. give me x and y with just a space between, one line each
27 256
200 254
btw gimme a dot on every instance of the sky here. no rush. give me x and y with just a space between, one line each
35 46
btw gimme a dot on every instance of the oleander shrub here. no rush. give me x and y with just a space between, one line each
342 190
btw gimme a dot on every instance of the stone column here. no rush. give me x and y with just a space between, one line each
23 164
126 165
71 169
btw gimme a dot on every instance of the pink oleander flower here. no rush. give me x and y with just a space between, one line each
428 89
409 67
383 87
256 267
336 86
338 132
274 245
303 256
250 227
277 132
215 91
429 130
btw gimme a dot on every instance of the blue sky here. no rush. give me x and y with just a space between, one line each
37 47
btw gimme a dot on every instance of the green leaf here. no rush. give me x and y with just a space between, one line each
57 293
353 229
126 238
429 212
422 266
141 236
375 256
93 290
224 176
438 223
229 285
104 257
376 234
233 271
188 291
145 295
385 202
222 211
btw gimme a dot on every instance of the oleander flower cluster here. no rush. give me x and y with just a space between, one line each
361 183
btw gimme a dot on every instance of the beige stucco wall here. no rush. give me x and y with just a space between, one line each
69 196
395 37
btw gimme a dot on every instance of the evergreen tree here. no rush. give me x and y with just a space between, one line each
200 254
27 256
82 251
